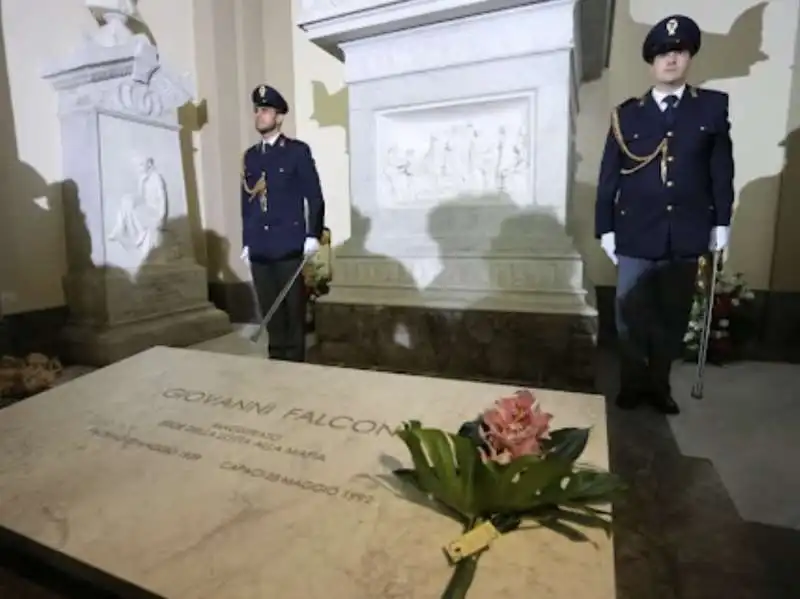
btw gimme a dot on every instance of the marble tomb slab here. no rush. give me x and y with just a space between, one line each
193 475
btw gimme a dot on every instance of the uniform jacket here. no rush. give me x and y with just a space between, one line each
661 189
275 227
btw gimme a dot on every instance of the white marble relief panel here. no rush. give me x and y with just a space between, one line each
144 200
474 151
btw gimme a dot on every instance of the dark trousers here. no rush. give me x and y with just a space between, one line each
653 304
287 328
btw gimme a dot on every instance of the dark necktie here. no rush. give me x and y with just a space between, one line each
669 112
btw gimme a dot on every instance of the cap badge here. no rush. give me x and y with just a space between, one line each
672 27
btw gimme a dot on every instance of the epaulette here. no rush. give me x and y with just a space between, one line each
627 102
710 93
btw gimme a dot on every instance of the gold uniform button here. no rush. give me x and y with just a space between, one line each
670 184
669 208
670 158
266 227
669 133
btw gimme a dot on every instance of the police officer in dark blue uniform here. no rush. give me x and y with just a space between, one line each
283 215
665 198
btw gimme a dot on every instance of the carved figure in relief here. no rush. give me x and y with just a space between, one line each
142 217
458 159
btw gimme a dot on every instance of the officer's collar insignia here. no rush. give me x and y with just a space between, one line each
282 142
672 27
262 91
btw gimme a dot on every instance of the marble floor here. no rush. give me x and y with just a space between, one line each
745 427
713 510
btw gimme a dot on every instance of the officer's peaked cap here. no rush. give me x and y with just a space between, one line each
676 32
269 97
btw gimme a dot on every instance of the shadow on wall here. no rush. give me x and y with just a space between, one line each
742 43
723 55
104 297
331 110
388 338
34 215
729 55
780 312
546 348
31 232
464 324
191 118
785 271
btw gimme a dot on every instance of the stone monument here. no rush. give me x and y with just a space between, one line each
133 280
461 118
184 474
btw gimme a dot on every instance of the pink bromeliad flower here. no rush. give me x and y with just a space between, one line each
514 427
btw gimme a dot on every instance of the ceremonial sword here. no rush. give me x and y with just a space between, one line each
702 354
274 307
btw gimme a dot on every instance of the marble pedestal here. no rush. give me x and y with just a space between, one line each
133 280
115 313
462 160
189 475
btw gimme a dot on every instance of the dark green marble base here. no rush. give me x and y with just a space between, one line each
556 351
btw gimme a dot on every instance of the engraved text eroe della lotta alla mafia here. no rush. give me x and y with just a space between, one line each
265 440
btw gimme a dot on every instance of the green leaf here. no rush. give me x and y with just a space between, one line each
518 486
461 580
583 518
569 522
567 443
583 487
445 466
572 533
409 477
591 485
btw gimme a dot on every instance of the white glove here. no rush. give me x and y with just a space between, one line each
719 238
245 255
311 246
609 244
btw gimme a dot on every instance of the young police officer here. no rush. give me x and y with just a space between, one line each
279 178
665 197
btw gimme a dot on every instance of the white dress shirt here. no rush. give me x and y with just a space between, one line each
269 141
659 96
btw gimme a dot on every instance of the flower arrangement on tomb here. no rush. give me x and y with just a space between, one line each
23 377
731 318
502 469
318 273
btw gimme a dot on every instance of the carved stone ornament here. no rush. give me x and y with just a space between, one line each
117 70
115 15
